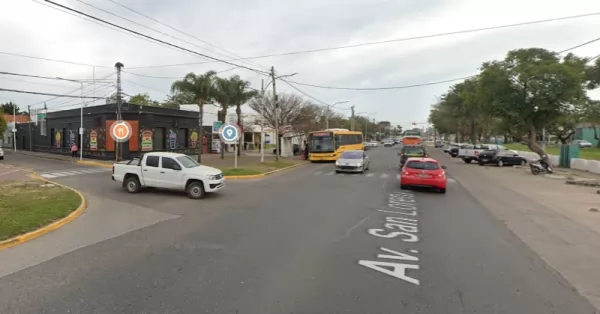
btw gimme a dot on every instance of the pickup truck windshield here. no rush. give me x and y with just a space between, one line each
187 162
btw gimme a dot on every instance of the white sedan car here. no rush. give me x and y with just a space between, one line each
1 154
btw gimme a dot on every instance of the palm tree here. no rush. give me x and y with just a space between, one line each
240 95
223 96
203 88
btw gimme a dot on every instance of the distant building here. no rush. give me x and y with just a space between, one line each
585 131
6 138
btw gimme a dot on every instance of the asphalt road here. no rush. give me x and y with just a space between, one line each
304 241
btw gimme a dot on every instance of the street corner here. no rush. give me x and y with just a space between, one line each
30 201
95 163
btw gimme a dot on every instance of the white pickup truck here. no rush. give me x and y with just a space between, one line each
168 171
471 152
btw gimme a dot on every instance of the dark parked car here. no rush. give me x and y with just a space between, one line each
501 158
409 151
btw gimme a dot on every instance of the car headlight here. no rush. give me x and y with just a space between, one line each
359 164
212 177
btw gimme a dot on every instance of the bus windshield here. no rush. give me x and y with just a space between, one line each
321 143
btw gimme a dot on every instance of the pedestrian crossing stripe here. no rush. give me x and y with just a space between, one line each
67 173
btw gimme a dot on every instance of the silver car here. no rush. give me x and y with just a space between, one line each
352 161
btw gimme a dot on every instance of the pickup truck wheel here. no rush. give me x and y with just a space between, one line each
467 160
132 185
195 190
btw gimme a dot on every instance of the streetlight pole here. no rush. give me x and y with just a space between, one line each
329 107
366 124
80 115
263 90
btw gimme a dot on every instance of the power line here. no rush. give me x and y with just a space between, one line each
50 59
428 83
151 38
180 31
147 27
392 40
75 90
45 94
39 76
170 77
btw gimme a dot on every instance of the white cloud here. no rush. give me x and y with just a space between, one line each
261 27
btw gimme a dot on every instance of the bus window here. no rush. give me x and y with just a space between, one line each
321 143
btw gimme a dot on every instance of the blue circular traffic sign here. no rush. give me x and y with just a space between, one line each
229 134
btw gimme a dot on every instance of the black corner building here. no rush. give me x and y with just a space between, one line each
154 129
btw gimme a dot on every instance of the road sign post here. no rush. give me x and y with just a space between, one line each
230 134
121 132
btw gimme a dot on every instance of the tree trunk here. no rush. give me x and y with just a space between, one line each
238 112
200 129
223 144
532 145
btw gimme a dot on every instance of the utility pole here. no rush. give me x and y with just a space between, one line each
29 112
352 118
262 121
118 65
14 130
276 114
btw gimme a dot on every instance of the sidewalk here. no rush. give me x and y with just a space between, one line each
213 160
560 222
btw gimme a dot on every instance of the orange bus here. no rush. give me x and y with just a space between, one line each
411 140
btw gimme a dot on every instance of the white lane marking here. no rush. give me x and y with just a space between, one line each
370 174
398 177
69 173
59 174
450 180
318 173
384 175
1 174
76 172
88 170
48 176
329 173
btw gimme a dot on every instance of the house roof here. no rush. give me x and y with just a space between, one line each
9 118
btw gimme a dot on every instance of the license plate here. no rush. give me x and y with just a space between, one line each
483 159
423 176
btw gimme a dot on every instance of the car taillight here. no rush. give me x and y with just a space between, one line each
441 175
405 173
426 156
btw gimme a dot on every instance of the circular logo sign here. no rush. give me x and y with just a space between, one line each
229 134
120 131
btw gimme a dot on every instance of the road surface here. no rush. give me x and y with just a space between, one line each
305 241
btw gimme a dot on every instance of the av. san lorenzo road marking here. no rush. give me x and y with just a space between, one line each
405 205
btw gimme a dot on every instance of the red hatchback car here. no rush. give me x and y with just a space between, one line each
423 172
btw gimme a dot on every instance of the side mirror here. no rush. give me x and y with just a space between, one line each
444 167
399 154
176 167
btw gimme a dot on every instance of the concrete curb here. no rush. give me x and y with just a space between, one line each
262 175
50 227
94 163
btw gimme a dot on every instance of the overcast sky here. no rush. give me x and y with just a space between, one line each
249 28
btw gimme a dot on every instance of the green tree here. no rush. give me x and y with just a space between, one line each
203 88
534 87
223 96
240 94
143 99
10 107
3 124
